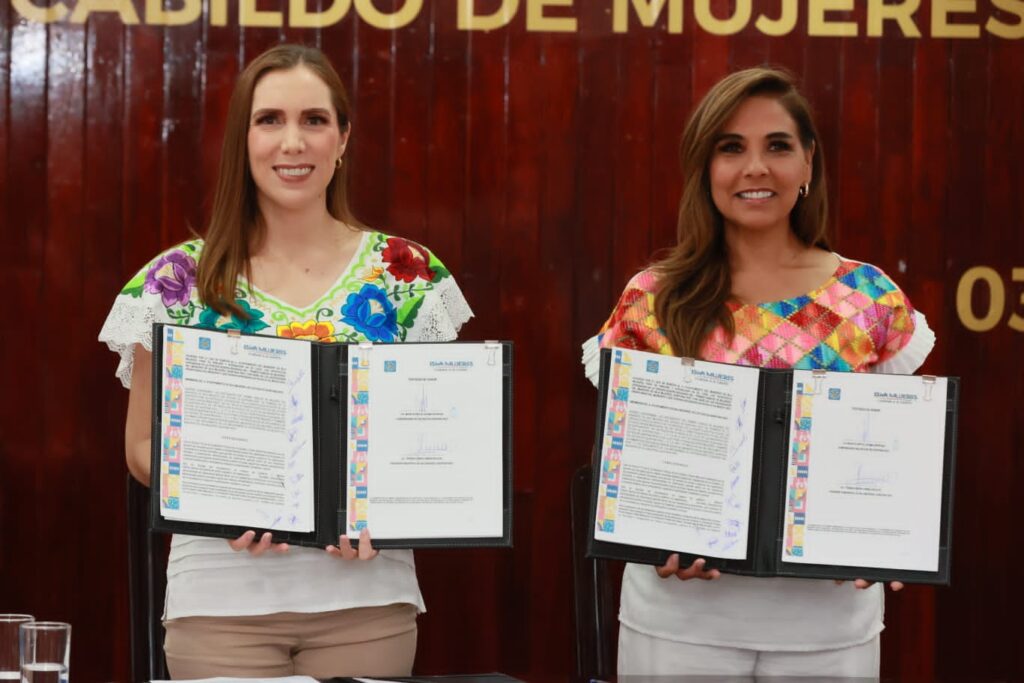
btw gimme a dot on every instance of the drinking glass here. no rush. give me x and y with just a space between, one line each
45 647
9 666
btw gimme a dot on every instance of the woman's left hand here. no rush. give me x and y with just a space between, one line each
861 584
345 551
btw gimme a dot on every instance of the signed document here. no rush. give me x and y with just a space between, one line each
236 430
311 440
425 440
677 454
773 471
864 485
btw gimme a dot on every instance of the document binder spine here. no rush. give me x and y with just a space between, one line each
328 423
340 469
782 415
768 500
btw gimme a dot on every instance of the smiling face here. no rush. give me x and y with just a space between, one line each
294 139
758 165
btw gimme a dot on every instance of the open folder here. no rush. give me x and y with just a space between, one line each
312 440
772 472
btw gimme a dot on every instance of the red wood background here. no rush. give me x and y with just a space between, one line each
542 168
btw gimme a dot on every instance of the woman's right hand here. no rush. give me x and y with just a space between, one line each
247 541
694 571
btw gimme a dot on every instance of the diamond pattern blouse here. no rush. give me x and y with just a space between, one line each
854 321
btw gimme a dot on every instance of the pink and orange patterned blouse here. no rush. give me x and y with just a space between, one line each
858 320
854 321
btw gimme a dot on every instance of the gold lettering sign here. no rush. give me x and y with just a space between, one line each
781 25
726 26
122 8
469 20
961 19
300 16
647 12
997 27
902 13
537 19
822 22
989 279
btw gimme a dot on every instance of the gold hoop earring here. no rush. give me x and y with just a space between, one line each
804 189
337 164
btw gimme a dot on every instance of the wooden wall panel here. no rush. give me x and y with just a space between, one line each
94 235
542 166
5 118
632 150
909 650
26 501
445 175
673 59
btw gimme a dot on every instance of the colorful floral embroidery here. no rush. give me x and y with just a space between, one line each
311 329
172 277
380 298
184 258
212 320
370 274
407 260
371 313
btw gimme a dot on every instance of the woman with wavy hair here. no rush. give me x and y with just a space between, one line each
752 281
283 255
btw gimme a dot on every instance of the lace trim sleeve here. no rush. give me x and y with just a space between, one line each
446 311
130 322
592 358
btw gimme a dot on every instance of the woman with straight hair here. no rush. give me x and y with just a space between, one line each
283 255
752 281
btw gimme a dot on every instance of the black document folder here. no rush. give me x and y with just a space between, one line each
768 491
330 384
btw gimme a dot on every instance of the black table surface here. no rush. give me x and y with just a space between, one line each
456 678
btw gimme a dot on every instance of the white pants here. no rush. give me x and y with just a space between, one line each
643 655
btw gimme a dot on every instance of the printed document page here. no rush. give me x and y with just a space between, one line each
865 472
236 430
425 440
677 453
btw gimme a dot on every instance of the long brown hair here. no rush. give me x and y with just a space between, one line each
694 283
235 225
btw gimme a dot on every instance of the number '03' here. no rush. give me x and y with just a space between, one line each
987 277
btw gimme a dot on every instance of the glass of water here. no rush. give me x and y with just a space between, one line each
9 665
45 647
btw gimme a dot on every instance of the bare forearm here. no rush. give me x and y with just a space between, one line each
137 425
137 458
